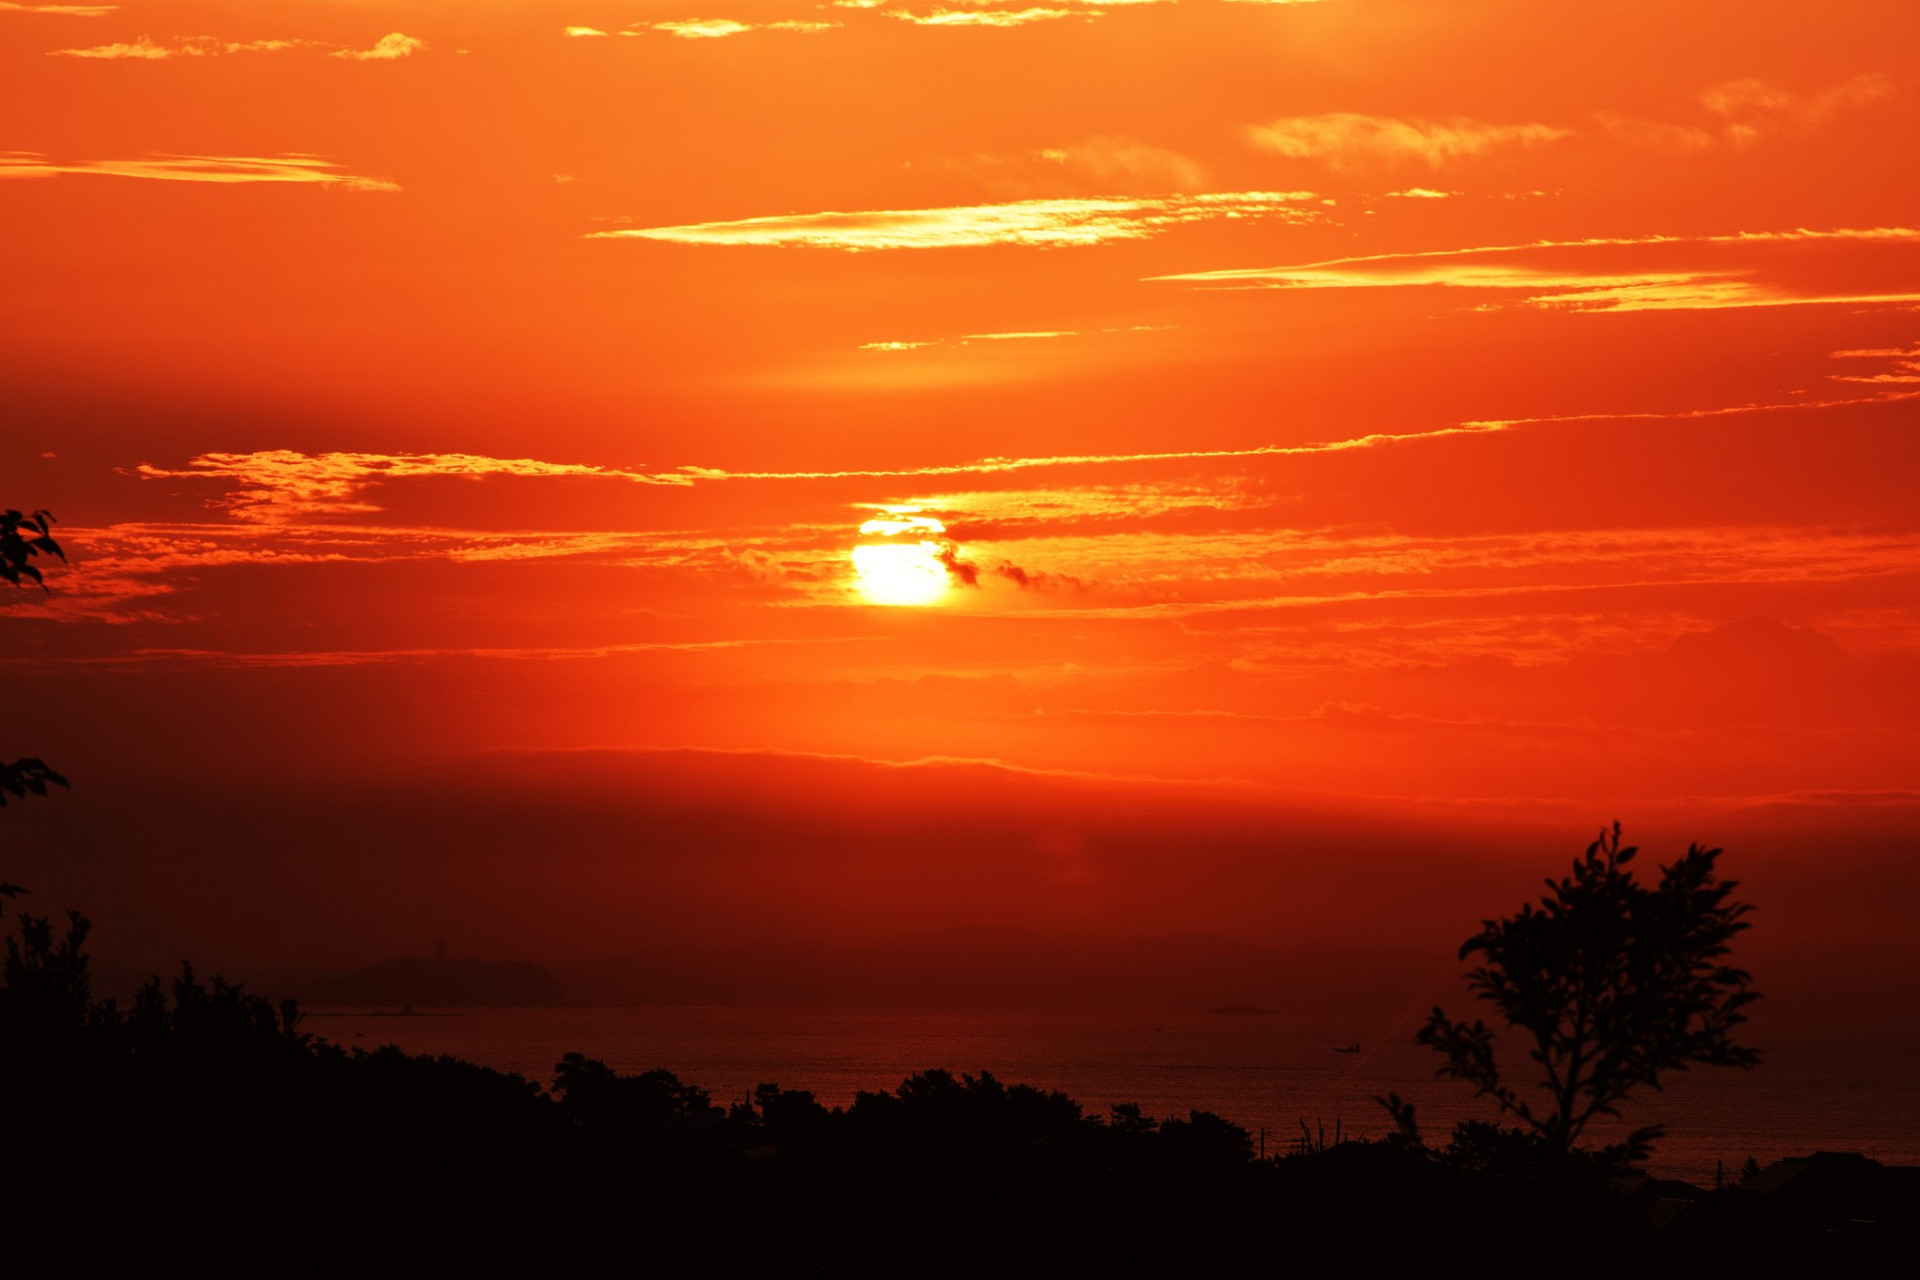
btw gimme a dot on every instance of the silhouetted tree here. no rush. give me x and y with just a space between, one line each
594 1093
47 981
1612 984
1126 1120
1206 1137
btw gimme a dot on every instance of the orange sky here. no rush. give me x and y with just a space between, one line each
1391 407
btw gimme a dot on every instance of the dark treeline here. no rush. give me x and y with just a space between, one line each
200 1124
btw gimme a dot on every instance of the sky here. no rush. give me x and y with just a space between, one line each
569 475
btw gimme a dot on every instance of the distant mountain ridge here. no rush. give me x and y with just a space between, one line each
407 981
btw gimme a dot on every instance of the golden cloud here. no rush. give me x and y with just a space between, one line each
145 49
720 28
1904 365
63 10
988 17
278 485
218 169
1047 223
387 48
1345 139
1570 286
702 28
1017 335
1741 113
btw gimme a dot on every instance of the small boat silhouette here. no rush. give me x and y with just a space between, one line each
1347 1048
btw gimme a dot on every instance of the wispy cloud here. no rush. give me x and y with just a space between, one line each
285 487
1904 365
1705 293
702 28
1104 165
1737 113
1372 440
720 28
61 10
310 170
1751 108
997 514
1345 139
1657 135
1045 223
1018 335
1562 282
1568 286
1003 466
989 17
141 47
146 49
278 485
282 487
1742 113
387 48
1129 160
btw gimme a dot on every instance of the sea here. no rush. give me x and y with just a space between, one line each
1252 1068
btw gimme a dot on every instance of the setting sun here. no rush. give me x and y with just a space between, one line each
900 572
905 571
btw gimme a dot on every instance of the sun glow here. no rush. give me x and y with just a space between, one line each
899 571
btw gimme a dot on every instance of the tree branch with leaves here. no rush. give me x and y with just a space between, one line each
23 537
1611 984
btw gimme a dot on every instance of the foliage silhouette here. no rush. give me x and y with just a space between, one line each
23 536
593 1093
48 983
20 779
27 776
1613 984
201 1123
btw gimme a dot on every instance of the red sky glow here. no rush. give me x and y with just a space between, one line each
568 472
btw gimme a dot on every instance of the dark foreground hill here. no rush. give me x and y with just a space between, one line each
200 1127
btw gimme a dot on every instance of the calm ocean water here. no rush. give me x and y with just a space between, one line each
1253 1069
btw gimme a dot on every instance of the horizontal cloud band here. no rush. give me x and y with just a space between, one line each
1045 223
1569 286
218 169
